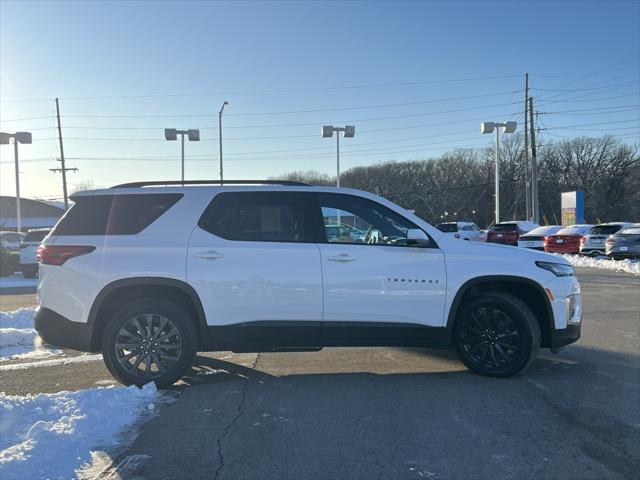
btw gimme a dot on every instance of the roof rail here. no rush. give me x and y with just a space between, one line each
210 182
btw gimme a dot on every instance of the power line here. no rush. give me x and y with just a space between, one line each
286 90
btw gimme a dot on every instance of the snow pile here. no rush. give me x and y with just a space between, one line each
53 435
629 266
18 338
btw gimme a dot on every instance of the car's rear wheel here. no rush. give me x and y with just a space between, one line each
496 335
30 273
149 340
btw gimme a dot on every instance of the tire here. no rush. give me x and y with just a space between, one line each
496 335
30 273
172 354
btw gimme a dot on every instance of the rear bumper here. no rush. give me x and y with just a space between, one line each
566 336
57 330
563 249
585 250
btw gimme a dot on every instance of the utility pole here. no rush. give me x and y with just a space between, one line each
535 207
62 169
526 149
220 138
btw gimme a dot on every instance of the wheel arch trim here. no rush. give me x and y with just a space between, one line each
474 282
149 282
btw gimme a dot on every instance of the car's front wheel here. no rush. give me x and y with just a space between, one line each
149 340
496 334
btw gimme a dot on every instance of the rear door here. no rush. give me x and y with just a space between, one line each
377 280
255 265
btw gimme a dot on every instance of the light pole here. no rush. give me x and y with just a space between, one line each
327 132
172 134
18 137
489 127
220 138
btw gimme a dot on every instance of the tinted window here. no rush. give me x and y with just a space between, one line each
35 235
604 229
447 227
257 216
114 214
505 227
361 221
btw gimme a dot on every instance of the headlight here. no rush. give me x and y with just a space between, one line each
558 269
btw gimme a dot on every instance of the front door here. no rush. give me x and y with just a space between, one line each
375 284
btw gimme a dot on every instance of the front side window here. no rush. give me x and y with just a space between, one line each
352 219
256 216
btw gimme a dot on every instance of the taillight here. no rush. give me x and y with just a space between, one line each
609 240
58 254
546 240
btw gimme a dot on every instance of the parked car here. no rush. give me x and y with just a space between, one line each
566 240
28 260
625 243
508 233
340 232
593 242
463 230
9 252
535 238
150 274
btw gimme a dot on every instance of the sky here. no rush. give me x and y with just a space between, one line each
415 78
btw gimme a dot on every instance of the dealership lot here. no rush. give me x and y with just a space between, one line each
392 413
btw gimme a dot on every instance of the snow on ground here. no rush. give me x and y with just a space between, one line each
17 280
55 435
629 266
18 338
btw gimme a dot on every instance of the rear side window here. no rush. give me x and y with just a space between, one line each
35 236
257 216
114 214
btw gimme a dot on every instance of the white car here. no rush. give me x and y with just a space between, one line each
28 259
463 230
535 238
593 242
150 273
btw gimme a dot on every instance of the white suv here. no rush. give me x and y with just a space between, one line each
150 273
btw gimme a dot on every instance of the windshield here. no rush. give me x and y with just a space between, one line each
547 230
504 227
604 229
575 230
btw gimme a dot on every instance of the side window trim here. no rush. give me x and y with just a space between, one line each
309 236
322 236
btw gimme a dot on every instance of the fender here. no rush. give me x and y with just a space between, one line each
469 284
148 282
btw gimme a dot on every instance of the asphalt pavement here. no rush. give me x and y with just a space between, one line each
392 413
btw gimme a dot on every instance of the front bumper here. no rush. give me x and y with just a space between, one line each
566 336
58 331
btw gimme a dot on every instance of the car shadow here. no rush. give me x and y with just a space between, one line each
368 423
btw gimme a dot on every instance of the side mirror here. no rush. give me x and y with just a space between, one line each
415 236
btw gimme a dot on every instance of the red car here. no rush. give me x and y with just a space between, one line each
566 240
508 233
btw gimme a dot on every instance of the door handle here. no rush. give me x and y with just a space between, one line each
343 257
210 255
